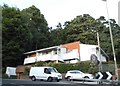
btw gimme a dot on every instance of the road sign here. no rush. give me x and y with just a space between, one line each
104 75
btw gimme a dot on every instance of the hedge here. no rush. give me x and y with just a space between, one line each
64 67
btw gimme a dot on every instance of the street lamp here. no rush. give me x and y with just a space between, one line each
99 49
111 40
98 40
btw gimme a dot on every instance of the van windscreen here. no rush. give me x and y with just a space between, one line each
52 70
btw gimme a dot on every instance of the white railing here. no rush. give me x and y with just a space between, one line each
47 57
29 60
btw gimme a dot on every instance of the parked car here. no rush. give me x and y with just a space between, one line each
44 73
77 75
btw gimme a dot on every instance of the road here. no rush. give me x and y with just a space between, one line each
17 82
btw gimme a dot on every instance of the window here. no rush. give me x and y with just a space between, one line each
46 71
53 70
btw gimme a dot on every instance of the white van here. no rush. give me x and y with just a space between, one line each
44 73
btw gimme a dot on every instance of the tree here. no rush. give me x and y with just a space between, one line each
106 41
58 35
11 36
37 28
80 29
22 31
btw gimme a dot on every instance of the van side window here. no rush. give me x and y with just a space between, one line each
46 71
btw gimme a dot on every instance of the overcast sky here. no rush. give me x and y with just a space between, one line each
65 10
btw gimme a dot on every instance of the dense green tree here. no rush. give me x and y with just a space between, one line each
81 29
11 36
58 35
106 41
38 31
23 31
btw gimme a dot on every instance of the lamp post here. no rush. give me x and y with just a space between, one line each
98 40
99 49
111 40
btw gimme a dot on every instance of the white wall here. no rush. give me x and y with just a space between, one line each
71 55
87 50
10 71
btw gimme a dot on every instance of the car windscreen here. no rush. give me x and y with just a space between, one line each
52 70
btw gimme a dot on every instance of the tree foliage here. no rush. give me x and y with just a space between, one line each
37 27
11 36
23 31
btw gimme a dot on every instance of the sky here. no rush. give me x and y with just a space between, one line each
56 11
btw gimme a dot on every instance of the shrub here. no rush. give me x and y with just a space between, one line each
63 67
41 63
3 70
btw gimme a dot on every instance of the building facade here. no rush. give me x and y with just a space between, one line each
67 53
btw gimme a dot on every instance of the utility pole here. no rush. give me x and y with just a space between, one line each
99 54
112 41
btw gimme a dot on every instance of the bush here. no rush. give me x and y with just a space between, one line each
3 70
27 69
63 67
5 76
83 66
93 68
39 63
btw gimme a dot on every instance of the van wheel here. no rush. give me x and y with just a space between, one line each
50 79
33 78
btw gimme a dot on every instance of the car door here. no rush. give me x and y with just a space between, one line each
46 73
78 75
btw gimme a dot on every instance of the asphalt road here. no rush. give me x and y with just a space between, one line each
17 82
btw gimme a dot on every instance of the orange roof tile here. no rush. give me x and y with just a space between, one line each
72 46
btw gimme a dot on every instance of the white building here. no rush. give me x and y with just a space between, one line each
46 54
68 53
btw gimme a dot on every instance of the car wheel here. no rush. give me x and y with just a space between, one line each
68 78
58 80
50 79
86 77
33 78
